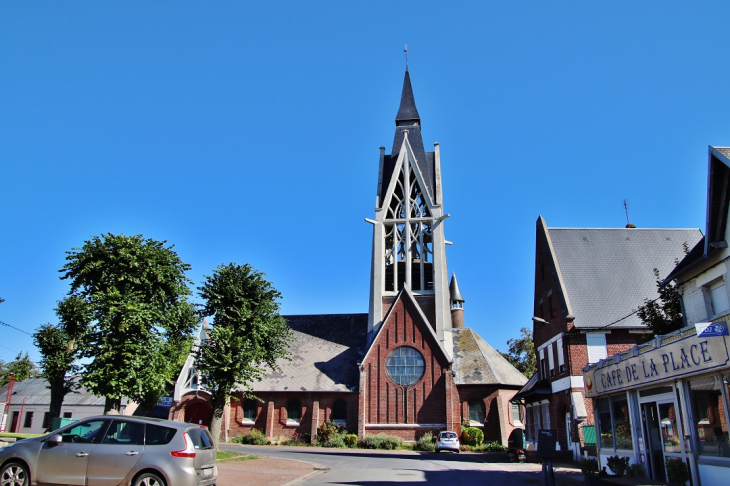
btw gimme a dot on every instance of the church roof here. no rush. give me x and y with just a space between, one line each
454 291
324 354
607 273
407 110
477 363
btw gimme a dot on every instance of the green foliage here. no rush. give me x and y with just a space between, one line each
492 447
22 367
351 440
248 335
382 441
327 430
472 436
589 467
335 441
636 471
677 471
137 292
522 353
618 465
254 437
427 442
664 314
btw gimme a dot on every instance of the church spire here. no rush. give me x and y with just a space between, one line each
407 112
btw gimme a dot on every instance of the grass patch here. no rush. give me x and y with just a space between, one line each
18 436
224 456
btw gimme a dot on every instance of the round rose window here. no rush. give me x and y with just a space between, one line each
405 365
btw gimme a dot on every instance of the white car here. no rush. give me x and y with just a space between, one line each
448 441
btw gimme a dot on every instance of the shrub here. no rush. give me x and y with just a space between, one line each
618 465
381 441
335 441
298 440
493 447
254 437
426 443
465 448
589 467
328 429
351 440
472 436
677 471
636 471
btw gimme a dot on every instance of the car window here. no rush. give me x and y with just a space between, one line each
121 432
448 435
159 435
201 438
84 432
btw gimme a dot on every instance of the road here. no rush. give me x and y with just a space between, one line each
380 468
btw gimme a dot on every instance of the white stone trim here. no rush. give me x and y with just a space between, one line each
573 381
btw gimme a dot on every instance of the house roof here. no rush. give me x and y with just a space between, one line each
718 199
38 393
477 363
324 354
609 272
533 387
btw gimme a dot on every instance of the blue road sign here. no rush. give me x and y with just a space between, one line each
711 329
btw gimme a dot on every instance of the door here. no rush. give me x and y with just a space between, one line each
654 447
14 422
65 463
120 449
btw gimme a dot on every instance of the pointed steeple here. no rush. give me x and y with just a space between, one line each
457 304
407 112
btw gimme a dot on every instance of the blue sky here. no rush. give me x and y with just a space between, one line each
249 132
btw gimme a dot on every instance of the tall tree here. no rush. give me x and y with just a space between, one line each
59 349
247 333
663 314
137 291
22 367
522 353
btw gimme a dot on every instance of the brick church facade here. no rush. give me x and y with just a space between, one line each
408 366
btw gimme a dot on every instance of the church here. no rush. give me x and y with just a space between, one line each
407 367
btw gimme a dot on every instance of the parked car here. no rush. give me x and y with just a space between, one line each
448 441
114 450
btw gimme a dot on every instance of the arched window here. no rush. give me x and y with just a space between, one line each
293 411
339 412
476 412
249 410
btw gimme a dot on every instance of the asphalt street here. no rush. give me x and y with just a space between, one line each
376 468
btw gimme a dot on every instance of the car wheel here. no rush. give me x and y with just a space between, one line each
457 451
148 479
14 474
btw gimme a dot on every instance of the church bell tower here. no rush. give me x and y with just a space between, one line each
409 252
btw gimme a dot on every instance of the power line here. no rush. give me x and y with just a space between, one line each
13 327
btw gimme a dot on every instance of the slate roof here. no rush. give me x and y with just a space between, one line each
324 354
608 273
454 291
533 387
477 363
38 394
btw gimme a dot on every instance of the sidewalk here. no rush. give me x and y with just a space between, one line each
265 471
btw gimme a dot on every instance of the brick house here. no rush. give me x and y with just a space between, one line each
589 282
408 366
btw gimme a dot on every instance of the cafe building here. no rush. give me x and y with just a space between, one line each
668 399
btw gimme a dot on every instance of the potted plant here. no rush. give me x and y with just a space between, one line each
677 471
589 468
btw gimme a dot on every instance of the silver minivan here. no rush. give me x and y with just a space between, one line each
113 450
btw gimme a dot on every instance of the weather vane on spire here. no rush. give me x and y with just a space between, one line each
406 51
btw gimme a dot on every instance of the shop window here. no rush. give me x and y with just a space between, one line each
339 412
293 412
614 423
709 416
249 410
476 412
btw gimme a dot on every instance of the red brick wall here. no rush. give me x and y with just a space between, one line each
276 425
424 402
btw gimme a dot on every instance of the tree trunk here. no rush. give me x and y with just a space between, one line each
216 422
58 393
112 406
